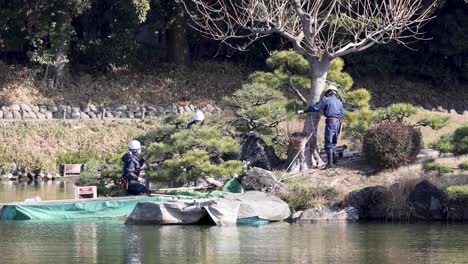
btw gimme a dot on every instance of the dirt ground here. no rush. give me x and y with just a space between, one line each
354 173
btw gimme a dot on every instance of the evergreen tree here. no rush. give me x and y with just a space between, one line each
187 155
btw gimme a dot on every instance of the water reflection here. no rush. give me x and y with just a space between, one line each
13 191
113 242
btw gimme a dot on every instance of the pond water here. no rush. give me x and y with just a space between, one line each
13 191
113 242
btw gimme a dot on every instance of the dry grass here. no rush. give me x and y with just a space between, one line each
157 86
387 89
398 188
40 145
430 135
303 197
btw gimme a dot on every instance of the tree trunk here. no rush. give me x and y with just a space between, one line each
310 158
61 43
178 42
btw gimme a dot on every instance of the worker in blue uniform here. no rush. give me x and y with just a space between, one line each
198 120
333 111
131 169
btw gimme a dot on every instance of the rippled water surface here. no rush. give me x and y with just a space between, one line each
113 242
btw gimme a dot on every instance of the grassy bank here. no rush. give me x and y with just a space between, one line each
333 187
44 146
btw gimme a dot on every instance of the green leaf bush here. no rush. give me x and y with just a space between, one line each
440 168
456 142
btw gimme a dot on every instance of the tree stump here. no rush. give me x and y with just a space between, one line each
298 159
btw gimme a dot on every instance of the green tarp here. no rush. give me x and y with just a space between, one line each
231 186
102 208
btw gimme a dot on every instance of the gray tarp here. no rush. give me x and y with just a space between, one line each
223 210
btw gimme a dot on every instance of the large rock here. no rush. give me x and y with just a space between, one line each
16 115
428 201
8 115
75 115
43 109
35 108
40 115
26 107
257 152
120 108
257 179
322 213
368 202
48 115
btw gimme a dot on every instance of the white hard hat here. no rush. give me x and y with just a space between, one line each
199 116
332 87
134 144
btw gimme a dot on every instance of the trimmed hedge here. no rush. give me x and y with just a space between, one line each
391 144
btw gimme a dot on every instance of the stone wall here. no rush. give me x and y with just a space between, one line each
44 112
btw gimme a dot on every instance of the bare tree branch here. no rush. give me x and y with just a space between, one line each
315 27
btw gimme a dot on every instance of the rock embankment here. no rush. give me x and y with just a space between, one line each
47 112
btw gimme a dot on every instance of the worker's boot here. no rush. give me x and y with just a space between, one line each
335 158
329 160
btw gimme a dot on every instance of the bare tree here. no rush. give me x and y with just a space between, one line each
320 30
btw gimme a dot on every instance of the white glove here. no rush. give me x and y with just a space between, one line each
300 112
141 180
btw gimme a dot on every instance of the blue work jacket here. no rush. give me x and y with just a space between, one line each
132 167
331 106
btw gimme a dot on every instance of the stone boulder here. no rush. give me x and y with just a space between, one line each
258 179
257 152
368 202
428 201
322 213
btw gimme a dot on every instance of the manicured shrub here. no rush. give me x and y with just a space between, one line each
456 142
440 168
191 154
463 165
92 175
444 144
257 107
458 193
434 121
396 112
392 144
460 140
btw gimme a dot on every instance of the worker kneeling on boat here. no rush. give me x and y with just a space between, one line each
131 169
